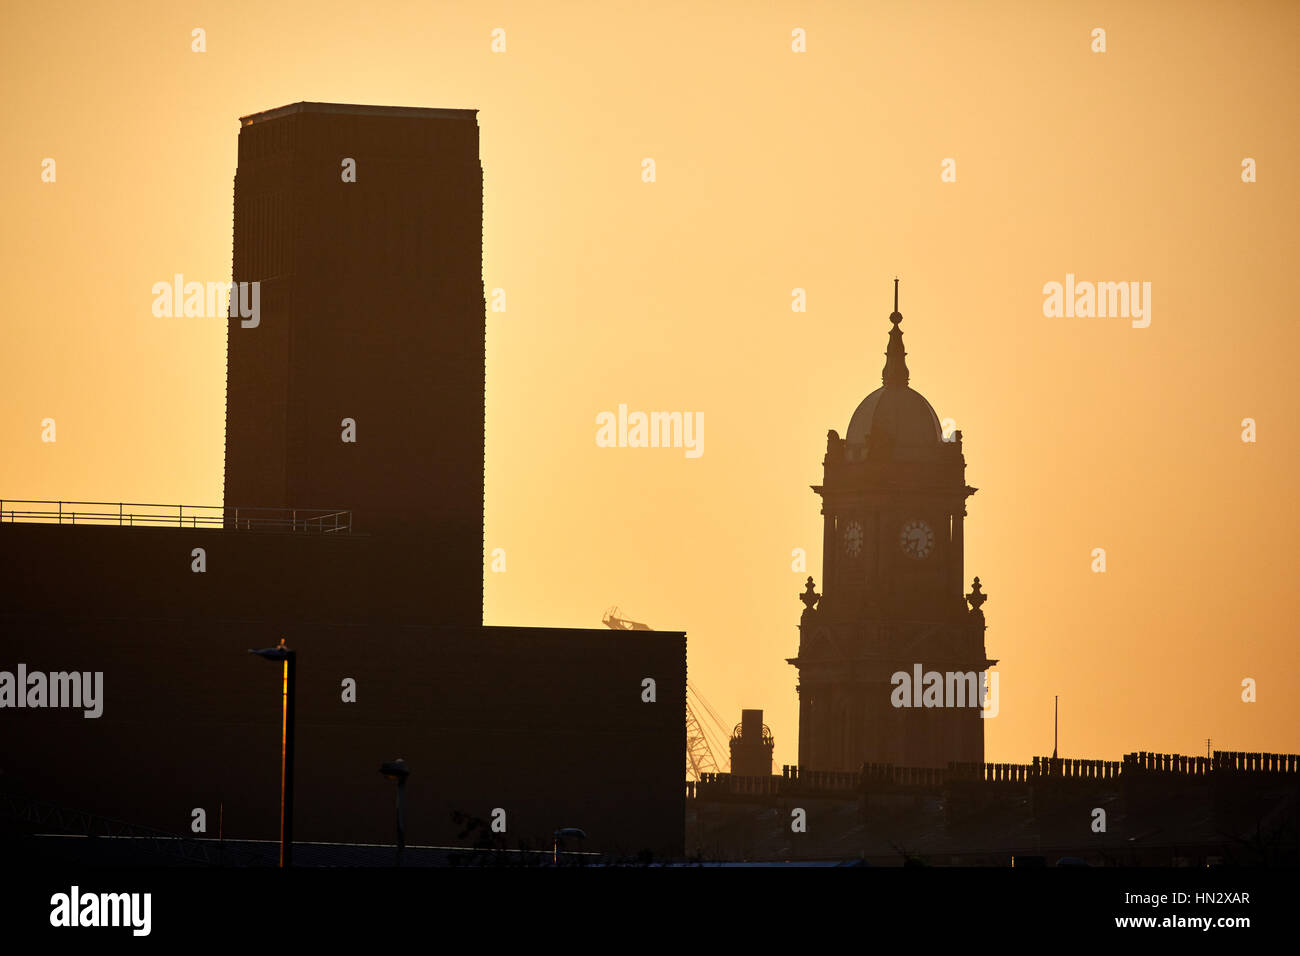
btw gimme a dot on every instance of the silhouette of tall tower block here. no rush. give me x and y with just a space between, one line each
371 315
894 503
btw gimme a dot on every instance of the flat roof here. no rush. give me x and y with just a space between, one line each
355 110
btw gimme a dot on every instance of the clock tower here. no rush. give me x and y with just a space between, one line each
891 656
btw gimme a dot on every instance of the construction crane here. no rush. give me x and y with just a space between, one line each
701 739
614 618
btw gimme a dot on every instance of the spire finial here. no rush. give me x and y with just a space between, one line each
895 370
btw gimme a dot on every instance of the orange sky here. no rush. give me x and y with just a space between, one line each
775 170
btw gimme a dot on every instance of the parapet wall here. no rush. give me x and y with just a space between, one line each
794 779
106 571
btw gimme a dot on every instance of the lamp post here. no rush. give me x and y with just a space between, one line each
561 834
289 659
399 771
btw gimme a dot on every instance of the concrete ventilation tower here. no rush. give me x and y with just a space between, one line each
751 746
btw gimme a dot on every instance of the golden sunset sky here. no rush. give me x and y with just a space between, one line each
775 170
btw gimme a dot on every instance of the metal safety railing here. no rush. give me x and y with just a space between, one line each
141 515
38 813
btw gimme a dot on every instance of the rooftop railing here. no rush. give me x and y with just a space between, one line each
795 779
141 515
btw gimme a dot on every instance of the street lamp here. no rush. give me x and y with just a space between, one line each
282 653
564 833
399 771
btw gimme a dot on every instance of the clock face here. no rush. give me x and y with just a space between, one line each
853 539
916 539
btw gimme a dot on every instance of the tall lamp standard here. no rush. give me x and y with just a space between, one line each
282 653
564 833
399 771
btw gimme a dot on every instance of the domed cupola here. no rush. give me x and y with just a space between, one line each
894 422
892 598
